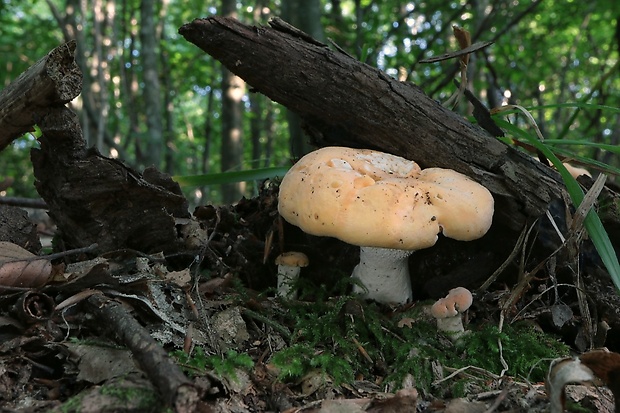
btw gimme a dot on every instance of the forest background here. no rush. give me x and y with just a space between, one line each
152 98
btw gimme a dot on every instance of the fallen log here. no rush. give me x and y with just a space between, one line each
54 80
346 102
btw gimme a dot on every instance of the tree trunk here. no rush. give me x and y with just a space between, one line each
233 89
345 102
305 14
151 90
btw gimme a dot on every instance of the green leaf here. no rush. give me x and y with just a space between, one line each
592 222
570 142
230 177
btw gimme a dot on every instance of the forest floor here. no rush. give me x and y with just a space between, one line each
246 351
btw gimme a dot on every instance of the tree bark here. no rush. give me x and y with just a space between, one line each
306 15
151 90
346 102
94 199
53 80
231 150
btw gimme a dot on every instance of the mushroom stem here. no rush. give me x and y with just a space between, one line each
384 275
287 277
451 325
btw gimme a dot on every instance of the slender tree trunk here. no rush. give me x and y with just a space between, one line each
233 89
305 15
168 127
151 90
256 128
269 128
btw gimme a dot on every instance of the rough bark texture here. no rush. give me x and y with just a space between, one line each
346 102
94 199
53 80
16 227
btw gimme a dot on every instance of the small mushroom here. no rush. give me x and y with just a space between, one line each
385 204
289 265
576 171
448 311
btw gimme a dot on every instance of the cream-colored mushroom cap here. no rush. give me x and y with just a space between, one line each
457 301
375 199
292 259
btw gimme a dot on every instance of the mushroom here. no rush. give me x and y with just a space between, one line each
289 265
448 311
576 171
386 205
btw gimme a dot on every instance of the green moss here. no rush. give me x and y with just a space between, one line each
223 366
143 398
341 337
523 349
117 393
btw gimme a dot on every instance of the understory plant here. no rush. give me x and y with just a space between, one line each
347 340
222 366
551 149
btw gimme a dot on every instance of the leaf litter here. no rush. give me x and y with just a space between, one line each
220 328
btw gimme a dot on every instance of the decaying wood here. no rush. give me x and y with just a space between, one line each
53 80
94 199
16 227
346 102
176 389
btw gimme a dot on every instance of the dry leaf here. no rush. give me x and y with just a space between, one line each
464 39
561 373
604 364
21 268
181 278
596 364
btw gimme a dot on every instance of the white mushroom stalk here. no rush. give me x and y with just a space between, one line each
383 275
387 205
289 266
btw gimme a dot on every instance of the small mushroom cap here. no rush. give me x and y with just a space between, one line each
442 309
576 171
375 199
457 301
293 259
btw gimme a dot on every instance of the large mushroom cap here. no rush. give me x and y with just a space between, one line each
375 199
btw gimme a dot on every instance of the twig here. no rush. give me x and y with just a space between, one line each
498 401
266 320
35 203
463 369
57 255
176 389
363 351
511 257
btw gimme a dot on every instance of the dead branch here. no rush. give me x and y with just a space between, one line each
53 80
346 102
176 389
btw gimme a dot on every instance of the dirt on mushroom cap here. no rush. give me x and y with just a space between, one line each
371 198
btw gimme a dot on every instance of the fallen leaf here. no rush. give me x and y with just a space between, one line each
21 268
99 363
561 373
181 278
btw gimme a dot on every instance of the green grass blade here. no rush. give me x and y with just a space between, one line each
569 142
230 177
592 222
